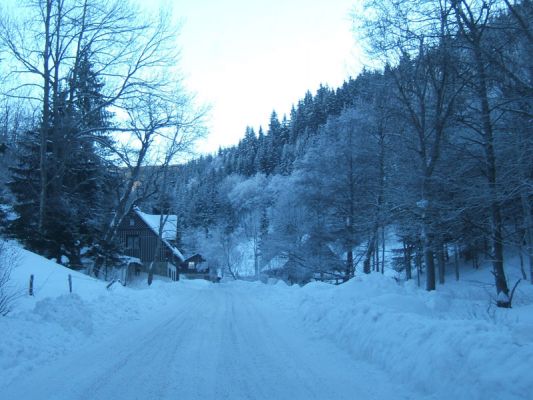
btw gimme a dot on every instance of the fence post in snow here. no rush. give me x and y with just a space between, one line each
70 283
31 285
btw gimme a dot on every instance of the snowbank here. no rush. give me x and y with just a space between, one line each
54 321
451 343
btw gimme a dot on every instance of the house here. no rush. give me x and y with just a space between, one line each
138 234
195 267
313 260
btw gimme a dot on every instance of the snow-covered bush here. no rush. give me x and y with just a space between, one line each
8 261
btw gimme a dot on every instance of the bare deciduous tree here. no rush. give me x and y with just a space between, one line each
162 129
8 260
133 53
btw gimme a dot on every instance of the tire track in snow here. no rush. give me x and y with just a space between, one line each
224 342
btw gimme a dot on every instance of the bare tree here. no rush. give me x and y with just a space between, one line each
162 129
44 44
230 255
8 260
473 17
175 143
221 249
249 198
415 37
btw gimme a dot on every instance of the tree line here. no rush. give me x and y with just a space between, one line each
434 143
431 146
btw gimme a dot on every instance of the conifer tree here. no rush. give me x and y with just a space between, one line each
79 180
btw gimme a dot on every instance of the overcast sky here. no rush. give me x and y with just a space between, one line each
246 58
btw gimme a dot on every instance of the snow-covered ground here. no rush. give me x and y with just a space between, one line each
449 344
372 338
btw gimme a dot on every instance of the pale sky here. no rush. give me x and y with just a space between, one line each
246 58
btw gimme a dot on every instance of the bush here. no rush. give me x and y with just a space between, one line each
8 261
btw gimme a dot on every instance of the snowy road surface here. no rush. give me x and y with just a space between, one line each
223 342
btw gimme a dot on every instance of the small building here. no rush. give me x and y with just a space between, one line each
138 234
312 261
195 267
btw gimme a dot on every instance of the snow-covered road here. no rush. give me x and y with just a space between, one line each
222 342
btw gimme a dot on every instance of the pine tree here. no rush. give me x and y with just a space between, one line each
25 185
79 180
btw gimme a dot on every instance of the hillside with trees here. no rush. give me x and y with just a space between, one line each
435 147
430 149
375 242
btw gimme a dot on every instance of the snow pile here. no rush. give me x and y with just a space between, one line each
32 339
449 343
54 322
70 312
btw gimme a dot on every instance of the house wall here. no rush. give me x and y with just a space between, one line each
134 226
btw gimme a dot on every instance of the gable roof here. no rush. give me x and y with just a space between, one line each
196 258
169 232
170 223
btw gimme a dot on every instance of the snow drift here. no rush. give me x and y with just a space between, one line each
452 343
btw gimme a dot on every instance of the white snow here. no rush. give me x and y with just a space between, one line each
450 344
170 224
372 338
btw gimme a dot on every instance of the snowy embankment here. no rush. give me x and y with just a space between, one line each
55 322
451 343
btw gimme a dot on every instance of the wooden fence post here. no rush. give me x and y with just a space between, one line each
70 283
31 285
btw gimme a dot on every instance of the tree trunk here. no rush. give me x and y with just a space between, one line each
407 261
441 260
349 264
382 249
156 252
367 263
456 261
521 255
430 268
528 227
418 261
376 252
43 165
123 206
427 244
381 195
496 217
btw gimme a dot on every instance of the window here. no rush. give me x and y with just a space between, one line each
132 222
133 242
191 264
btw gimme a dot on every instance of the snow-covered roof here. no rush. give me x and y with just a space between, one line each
170 227
175 251
170 224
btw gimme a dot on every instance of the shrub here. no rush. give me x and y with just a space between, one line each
8 261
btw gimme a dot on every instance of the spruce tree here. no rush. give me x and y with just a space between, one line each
79 180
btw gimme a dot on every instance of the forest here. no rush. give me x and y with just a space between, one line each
429 146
